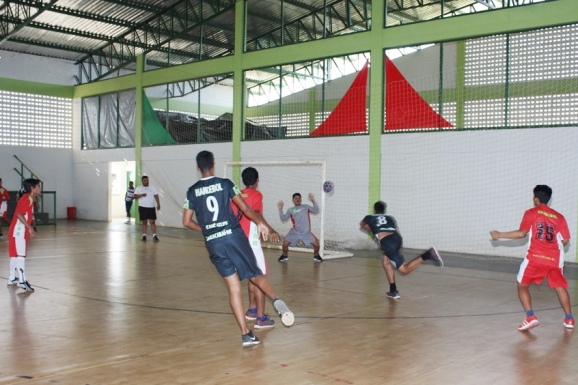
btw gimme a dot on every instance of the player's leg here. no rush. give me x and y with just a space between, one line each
17 247
390 274
251 313
558 282
530 321
263 283
410 266
236 302
316 256
13 274
527 274
285 247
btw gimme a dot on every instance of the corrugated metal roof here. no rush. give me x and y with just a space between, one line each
109 34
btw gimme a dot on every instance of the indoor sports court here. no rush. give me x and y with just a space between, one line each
449 111
110 309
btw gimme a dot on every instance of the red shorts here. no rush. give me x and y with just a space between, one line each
531 272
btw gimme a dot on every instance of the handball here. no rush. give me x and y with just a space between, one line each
328 186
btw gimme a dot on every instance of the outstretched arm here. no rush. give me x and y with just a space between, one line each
514 234
315 208
282 216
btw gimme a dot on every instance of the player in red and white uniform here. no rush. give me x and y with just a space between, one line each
549 234
4 198
21 230
254 199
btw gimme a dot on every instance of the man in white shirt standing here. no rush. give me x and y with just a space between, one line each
147 196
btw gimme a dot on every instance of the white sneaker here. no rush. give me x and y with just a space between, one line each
287 317
26 286
14 281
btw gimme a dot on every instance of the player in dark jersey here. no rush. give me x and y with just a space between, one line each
384 228
549 234
229 249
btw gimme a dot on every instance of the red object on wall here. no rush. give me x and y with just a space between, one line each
404 107
348 117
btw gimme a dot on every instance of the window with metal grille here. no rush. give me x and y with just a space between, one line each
35 120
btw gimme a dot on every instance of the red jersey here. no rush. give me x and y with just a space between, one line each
547 229
254 199
25 207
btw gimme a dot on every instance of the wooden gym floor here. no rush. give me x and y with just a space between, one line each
110 309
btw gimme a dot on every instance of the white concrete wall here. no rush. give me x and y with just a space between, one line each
34 68
52 166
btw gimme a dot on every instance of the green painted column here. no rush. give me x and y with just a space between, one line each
138 124
376 101
239 81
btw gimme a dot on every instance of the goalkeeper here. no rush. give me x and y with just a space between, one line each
301 230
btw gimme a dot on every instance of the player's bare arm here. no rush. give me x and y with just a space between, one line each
189 222
515 234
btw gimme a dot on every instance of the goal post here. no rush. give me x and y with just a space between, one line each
279 180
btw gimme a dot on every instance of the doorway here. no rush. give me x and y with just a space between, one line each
120 174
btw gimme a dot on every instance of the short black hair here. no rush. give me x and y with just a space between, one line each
543 193
379 207
296 195
250 176
143 177
29 183
205 160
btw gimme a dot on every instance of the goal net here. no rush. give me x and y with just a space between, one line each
278 181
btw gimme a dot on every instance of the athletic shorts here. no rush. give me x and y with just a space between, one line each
532 272
3 209
17 247
293 237
128 205
145 213
233 254
390 246
255 242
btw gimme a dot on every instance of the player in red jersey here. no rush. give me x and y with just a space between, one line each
4 198
20 231
254 199
549 234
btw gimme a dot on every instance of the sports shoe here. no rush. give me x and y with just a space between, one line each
569 323
25 285
287 317
155 238
250 316
393 294
127 223
264 324
14 281
529 323
249 339
144 238
283 258
317 258
435 257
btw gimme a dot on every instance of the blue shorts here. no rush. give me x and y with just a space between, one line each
233 254
390 246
